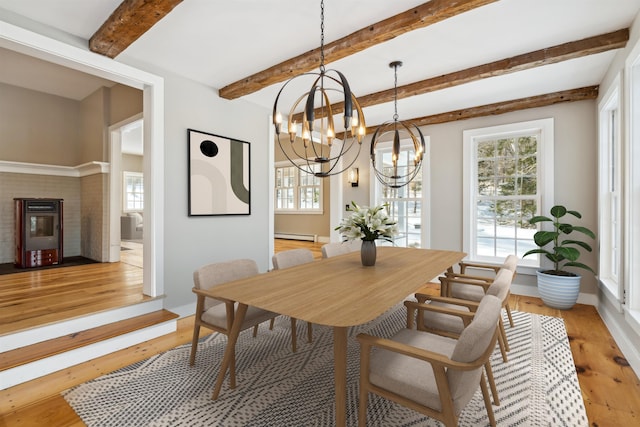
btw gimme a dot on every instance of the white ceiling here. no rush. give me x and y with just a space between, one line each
217 43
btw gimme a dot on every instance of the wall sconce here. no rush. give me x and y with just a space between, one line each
353 177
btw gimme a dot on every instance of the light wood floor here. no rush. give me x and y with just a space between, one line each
33 298
610 389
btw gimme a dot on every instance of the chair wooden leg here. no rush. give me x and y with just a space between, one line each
509 315
502 348
487 401
255 331
273 319
364 379
194 344
309 332
294 336
504 335
492 383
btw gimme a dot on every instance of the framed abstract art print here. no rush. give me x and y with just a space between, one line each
219 175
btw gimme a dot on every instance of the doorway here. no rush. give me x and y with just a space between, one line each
127 191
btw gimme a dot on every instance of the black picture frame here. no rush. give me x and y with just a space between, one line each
219 175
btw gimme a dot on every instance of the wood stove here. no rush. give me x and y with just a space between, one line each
38 231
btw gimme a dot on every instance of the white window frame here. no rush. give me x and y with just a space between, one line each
632 190
610 195
297 210
545 196
425 201
125 176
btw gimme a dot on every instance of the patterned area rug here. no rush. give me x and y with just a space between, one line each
537 387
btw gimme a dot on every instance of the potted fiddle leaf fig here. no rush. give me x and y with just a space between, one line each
558 287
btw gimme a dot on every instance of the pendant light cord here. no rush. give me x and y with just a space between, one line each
322 36
395 93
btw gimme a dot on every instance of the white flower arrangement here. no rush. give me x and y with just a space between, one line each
368 224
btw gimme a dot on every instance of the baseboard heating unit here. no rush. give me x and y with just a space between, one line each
292 236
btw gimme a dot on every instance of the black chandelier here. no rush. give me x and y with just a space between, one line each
391 174
316 130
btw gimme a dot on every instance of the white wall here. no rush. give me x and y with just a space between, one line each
191 242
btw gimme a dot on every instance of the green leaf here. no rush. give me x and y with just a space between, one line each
554 258
571 254
544 237
579 265
585 231
579 243
558 211
565 228
539 218
575 213
535 251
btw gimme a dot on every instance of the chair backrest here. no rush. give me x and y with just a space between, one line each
501 284
340 248
222 272
477 341
510 263
290 258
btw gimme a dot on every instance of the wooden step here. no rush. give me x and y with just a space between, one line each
42 350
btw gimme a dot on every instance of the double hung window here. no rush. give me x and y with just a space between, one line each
296 191
133 191
407 205
506 183
609 197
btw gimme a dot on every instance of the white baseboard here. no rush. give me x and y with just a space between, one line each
532 291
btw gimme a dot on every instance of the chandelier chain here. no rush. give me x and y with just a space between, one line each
322 36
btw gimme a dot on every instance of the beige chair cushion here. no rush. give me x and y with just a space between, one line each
466 292
475 293
511 263
222 272
414 379
290 258
501 284
407 376
444 322
217 316
340 248
473 342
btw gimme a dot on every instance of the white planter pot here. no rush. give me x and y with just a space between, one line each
558 291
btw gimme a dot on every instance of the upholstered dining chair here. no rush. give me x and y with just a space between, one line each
429 373
340 248
475 293
471 288
217 314
435 317
291 258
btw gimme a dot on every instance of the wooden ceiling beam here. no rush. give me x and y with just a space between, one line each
572 95
418 17
127 23
551 55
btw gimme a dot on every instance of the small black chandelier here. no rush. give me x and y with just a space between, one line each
391 175
316 129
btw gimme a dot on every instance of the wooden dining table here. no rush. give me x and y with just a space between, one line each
338 292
